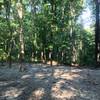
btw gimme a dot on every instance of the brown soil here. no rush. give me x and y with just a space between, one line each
43 82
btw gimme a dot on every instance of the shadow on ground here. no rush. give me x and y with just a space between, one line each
42 82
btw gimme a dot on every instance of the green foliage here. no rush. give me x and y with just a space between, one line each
48 26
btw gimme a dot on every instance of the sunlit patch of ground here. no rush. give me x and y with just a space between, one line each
69 75
11 93
41 82
53 62
37 94
59 93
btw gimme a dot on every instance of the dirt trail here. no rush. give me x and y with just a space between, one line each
42 82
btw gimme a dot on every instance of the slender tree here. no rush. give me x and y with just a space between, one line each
7 4
21 35
97 34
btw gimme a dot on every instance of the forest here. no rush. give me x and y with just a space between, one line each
53 33
39 31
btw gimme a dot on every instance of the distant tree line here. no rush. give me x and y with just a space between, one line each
44 30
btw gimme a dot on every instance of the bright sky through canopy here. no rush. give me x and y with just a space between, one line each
86 18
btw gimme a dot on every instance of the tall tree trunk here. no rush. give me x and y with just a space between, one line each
10 53
97 35
50 57
21 35
7 5
32 14
72 36
53 11
44 55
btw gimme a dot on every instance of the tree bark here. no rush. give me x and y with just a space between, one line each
7 5
97 35
21 35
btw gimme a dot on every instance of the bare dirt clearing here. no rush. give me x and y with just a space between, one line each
42 82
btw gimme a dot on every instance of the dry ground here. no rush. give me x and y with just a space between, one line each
42 82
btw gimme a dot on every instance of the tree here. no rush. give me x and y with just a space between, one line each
21 35
7 5
97 35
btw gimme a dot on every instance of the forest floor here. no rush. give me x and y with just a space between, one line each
42 82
